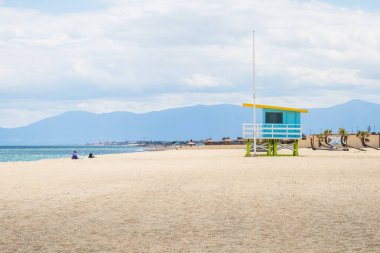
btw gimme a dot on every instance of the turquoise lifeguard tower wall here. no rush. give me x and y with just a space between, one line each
288 117
289 121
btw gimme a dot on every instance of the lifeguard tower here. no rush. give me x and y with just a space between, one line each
281 129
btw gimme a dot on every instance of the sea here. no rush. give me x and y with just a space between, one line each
34 153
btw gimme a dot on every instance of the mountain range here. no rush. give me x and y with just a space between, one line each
193 122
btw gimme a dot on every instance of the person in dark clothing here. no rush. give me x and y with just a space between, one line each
74 155
91 155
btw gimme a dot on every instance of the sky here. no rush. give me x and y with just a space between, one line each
129 55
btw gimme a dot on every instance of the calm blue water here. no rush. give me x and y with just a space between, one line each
33 153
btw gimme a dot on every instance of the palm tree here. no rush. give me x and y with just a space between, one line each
312 142
326 135
320 138
364 137
343 137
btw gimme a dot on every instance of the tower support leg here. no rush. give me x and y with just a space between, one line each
295 152
275 147
248 148
269 151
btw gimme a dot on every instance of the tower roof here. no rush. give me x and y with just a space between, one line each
276 108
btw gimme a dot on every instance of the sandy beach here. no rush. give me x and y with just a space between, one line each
193 201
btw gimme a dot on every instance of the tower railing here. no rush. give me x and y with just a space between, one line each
272 131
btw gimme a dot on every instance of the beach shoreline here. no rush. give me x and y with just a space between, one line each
153 148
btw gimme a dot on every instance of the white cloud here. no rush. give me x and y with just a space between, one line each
118 57
327 77
201 81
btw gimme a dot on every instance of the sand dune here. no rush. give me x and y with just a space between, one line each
193 201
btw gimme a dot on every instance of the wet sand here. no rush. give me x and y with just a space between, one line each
193 201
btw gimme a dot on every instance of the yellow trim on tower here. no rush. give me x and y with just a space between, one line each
276 108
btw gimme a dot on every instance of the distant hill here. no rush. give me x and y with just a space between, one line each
194 122
353 115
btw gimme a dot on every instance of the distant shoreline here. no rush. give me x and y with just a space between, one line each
152 148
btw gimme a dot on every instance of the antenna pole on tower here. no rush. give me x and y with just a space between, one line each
254 97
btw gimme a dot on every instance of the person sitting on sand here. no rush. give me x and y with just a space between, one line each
91 155
74 155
